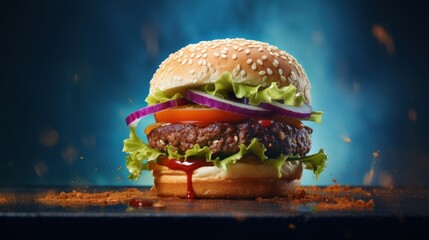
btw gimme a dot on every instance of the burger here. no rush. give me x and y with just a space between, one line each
230 117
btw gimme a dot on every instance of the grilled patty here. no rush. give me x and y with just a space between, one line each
223 139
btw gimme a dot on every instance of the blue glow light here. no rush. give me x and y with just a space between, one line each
88 65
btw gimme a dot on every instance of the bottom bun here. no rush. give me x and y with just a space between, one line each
240 181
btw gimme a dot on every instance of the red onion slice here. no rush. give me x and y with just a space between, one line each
303 111
134 118
206 99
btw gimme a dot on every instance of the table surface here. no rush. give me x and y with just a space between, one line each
396 212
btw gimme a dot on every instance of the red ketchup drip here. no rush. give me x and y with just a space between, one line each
265 122
188 167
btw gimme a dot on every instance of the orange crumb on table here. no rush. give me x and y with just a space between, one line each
334 197
76 198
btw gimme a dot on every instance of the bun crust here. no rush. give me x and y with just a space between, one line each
226 188
248 61
174 183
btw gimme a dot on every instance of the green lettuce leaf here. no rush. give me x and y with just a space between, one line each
196 151
255 94
140 154
161 96
316 162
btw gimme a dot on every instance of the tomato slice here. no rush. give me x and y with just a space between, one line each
197 115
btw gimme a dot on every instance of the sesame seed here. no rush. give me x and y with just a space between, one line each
262 73
204 55
234 56
238 67
205 69
276 54
223 51
260 49
283 57
259 62
194 80
215 141
271 53
235 47
185 56
264 57
269 71
200 74
192 55
264 78
294 76
198 55
223 56
192 71
204 62
280 71
235 138
247 51
161 141
283 78
200 62
249 61
204 51
275 63
240 49
184 61
190 61
243 73
225 48
254 66
216 54
234 72
169 69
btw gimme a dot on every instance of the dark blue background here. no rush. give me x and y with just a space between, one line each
71 71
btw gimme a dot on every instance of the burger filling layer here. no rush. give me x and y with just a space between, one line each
224 139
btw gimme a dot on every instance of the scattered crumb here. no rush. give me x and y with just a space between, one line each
76 198
333 197
292 226
345 203
346 139
7 198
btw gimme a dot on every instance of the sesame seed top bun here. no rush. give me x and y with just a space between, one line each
248 61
